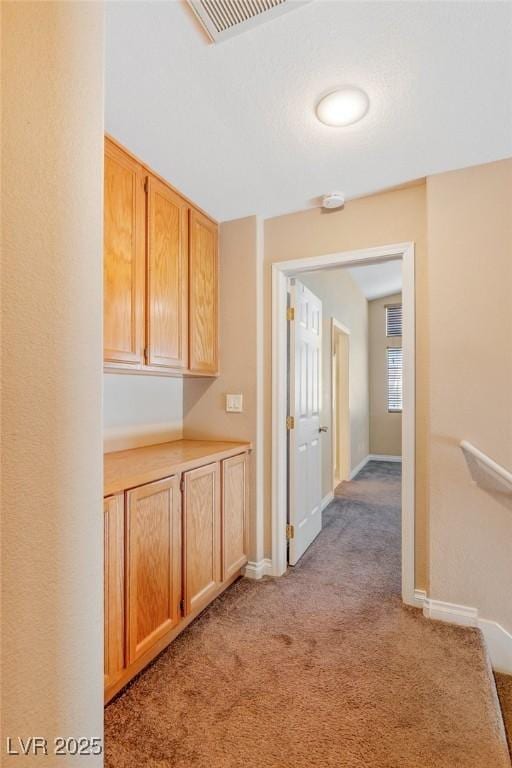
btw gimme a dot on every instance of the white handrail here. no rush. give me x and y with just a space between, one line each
486 472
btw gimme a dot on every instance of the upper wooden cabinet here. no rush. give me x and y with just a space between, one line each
160 274
123 265
167 276
203 295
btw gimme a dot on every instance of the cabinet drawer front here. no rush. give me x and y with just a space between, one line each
235 498
154 563
124 258
167 276
114 620
203 295
202 533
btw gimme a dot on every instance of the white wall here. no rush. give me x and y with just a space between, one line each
52 516
343 300
140 410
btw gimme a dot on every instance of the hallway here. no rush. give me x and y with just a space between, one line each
323 667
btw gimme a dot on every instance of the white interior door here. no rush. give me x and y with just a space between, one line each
304 456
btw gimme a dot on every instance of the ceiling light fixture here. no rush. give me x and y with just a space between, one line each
342 107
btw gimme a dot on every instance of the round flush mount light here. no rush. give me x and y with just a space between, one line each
342 107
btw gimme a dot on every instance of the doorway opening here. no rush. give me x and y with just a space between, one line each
287 516
340 401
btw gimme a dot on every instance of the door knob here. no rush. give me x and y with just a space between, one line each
323 429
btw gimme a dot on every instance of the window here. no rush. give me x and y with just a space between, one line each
394 320
394 379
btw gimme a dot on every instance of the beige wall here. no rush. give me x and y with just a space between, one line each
52 519
390 217
385 427
470 325
141 410
343 300
204 410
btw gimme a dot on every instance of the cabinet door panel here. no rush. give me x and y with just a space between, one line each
203 295
167 276
202 548
154 563
113 511
235 497
123 264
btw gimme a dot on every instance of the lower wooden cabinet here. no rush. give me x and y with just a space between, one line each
114 606
202 540
235 498
171 547
153 547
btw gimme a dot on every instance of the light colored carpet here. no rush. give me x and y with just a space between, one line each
504 686
323 667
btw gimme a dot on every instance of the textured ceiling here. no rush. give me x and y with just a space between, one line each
232 125
378 280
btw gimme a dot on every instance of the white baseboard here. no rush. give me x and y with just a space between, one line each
326 500
419 598
383 457
359 467
256 570
450 612
497 639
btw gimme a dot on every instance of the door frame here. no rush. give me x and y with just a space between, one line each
338 328
281 271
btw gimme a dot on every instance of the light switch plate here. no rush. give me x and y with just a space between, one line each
234 403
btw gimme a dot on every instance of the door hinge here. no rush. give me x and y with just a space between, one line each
182 487
146 184
290 313
182 607
290 532
290 422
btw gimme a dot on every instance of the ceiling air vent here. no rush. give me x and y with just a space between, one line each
225 18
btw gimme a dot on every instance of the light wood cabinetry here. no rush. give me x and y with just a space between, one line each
235 498
153 539
167 277
171 545
203 295
124 258
160 274
202 536
114 642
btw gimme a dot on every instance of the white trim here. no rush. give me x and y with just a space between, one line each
259 569
356 470
383 457
419 597
497 639
281 271
259 502
326 500
340 326
450 612
499 645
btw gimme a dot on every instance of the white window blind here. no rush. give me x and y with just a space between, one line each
394 320
394 379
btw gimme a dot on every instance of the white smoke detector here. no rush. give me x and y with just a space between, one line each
333 200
